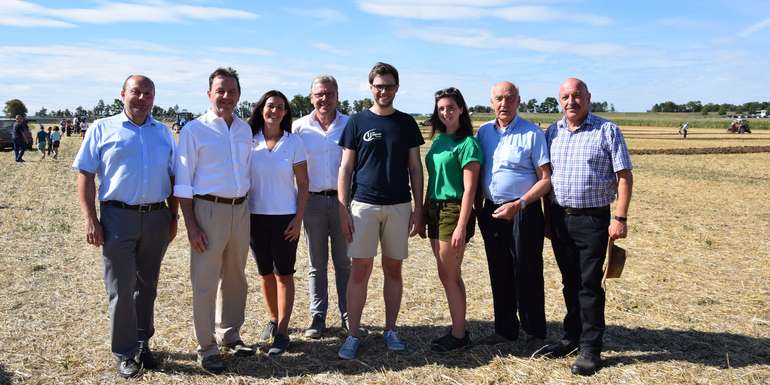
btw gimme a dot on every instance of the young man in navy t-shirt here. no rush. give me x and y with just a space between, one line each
381 152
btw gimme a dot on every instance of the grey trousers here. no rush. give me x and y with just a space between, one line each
322 223
134 245
218 274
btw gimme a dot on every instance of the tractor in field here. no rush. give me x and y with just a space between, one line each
182 118
739 126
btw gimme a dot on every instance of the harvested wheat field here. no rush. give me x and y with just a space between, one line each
692 307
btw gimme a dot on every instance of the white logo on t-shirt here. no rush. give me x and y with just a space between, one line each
372 135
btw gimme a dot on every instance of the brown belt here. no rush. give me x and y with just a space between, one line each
227 201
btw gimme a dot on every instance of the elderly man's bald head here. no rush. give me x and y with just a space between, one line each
575 100
505 102
138 79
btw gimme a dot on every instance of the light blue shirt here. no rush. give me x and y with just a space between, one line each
511 158
132 163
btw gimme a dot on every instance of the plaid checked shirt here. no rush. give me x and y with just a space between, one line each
585 161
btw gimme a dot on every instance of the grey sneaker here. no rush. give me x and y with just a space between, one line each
349 348
269 331
394 343
317 327
279 345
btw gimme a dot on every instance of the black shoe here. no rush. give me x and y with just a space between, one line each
448 342
269 331
559 349
587 363
238 349
279 345
128 368
317 327
144 356
213 364
534 344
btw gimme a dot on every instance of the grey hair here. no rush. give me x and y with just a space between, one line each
324 79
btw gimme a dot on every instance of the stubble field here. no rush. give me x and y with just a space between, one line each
692 307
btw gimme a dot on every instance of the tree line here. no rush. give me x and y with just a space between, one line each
300 106
721 109
549 105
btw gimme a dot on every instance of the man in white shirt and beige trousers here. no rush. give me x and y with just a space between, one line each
212 181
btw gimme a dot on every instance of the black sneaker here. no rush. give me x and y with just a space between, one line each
213 364
279 345
317 327
144 356
269 331
238 349
448 342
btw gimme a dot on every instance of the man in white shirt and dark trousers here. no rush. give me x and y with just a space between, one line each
212 181
320 132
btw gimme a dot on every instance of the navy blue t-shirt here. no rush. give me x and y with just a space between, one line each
382 146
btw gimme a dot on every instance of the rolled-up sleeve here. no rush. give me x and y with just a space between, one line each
184 167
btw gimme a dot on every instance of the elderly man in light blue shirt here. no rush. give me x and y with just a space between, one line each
132 155
511 220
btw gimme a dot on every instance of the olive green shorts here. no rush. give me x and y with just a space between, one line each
442 220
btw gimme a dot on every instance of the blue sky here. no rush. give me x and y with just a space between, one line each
633 54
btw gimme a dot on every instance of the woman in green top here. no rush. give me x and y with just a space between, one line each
453 163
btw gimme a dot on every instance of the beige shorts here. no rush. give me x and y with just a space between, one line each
386 224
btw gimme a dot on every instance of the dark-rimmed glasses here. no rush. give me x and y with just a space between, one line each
449 91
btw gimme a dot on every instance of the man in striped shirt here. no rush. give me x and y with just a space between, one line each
591 166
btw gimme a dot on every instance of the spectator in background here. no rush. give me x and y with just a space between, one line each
19 138
42 141
55 141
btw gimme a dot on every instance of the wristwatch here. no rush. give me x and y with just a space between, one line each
620 219
523 203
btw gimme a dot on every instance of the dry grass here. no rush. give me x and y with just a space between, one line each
693 306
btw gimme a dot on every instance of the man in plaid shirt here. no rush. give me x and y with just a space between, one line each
591 166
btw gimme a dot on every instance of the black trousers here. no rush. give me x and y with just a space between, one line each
580 244
515 257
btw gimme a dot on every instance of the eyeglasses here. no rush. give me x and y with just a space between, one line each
450 91
384 87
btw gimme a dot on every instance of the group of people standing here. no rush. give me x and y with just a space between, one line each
350 182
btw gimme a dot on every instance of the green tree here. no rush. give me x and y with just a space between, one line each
43 112
14 107
549 105
344 107
80 111
363 104
99 109
244 109
158 112
300 105
117 106
532 105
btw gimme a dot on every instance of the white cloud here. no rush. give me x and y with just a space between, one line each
464 10
754 28
331 49
324 15
27 14
480 38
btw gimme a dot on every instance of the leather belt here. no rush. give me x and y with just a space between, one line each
227 201
326 193
588 211
143 208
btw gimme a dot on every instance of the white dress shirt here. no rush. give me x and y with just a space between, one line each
212 158
324 153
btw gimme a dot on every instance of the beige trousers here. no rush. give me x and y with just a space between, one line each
218 276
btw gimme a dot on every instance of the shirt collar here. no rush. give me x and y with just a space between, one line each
586 124
124 118
510 127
